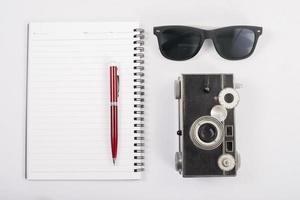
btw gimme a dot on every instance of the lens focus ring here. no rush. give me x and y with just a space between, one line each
207 133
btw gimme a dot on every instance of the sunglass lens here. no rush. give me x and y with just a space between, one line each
236 43
179 43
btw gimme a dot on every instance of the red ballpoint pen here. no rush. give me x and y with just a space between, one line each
114 87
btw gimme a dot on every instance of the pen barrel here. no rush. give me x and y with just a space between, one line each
114 130
113 84
114 110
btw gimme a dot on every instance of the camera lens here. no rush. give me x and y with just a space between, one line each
207 132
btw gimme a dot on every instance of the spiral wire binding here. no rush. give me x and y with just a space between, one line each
139 99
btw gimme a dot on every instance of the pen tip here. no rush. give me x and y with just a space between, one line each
114 161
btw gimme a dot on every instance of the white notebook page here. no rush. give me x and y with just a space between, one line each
68 108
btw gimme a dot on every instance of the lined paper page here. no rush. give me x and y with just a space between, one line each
68 109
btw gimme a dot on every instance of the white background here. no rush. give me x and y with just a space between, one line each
267 118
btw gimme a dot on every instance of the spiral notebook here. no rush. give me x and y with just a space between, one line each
68 108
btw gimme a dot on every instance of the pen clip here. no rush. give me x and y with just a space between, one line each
118 88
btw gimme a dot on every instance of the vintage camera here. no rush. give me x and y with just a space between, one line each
206 131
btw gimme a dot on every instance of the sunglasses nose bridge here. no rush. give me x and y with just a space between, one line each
208 34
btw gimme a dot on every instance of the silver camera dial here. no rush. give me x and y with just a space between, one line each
229 98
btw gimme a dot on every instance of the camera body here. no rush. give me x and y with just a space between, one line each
206 132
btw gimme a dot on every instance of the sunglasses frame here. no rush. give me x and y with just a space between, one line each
209 34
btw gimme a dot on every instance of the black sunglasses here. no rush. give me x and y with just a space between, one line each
183 42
